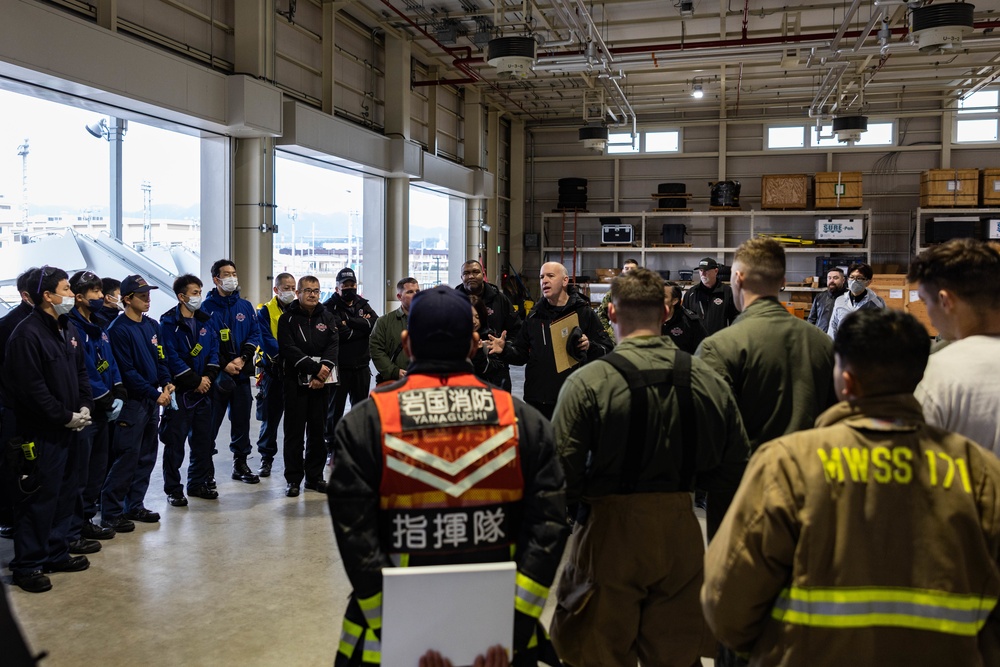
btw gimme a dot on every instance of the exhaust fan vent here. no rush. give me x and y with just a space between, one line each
849 128
940 27
513 56
594 136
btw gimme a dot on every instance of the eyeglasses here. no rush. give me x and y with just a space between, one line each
311 291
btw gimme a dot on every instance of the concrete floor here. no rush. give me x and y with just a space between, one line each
253 578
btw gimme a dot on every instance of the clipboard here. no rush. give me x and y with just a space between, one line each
458 610
559 332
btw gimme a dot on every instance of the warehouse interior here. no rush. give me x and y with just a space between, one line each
493 103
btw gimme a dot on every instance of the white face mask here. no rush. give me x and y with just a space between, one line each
230 284
193 302
63 307
286 297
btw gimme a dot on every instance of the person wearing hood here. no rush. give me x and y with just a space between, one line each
857 296
500 315
191 346
52 404
109 397
822 306
271 397
533 345
308 344
355 321
239 338
112 306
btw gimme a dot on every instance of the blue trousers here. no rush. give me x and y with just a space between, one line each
270 408
92 466
237 404
192 422
43 518
133 452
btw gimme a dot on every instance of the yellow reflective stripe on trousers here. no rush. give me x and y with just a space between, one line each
372 609
918 609
530 596
372 650
350 633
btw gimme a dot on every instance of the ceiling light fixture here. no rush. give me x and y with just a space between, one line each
697 92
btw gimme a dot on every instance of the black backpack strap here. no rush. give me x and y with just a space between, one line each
689 419
638 437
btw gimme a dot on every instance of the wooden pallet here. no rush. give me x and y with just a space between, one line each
669 245
725 208
672 210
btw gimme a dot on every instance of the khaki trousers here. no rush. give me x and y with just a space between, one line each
630 588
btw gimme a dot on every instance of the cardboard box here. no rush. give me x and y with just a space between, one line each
989 187
606 275
944 188
784 191
838 189
892 288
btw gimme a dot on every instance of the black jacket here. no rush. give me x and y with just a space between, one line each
533 346
685 329
7 325
353 492
714 306
500 315
45 362
353 329
303 335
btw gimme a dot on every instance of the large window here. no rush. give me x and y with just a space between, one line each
978 117
429 234
319 216
809 136
161 189
53 175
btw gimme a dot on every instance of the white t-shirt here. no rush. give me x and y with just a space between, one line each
961 390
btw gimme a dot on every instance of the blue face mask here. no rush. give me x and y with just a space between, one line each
95 304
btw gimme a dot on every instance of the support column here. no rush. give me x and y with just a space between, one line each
518 161
252 226
329 55
107 14
475 141
397 196
493 206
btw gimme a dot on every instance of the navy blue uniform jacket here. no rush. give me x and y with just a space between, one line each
239 317
102 369
45 364
191 354
140 356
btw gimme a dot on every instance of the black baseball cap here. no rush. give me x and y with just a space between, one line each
439 324
707 264
135 283
346 274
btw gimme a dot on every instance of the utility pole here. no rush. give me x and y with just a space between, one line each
147 215
23 151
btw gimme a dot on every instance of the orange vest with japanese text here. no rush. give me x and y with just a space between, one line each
451 475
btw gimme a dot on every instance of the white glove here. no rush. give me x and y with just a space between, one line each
116 409
85 411
79 421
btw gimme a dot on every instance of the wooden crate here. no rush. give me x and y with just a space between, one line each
892 288
989 187
784 191
837 189
916 307
943 188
